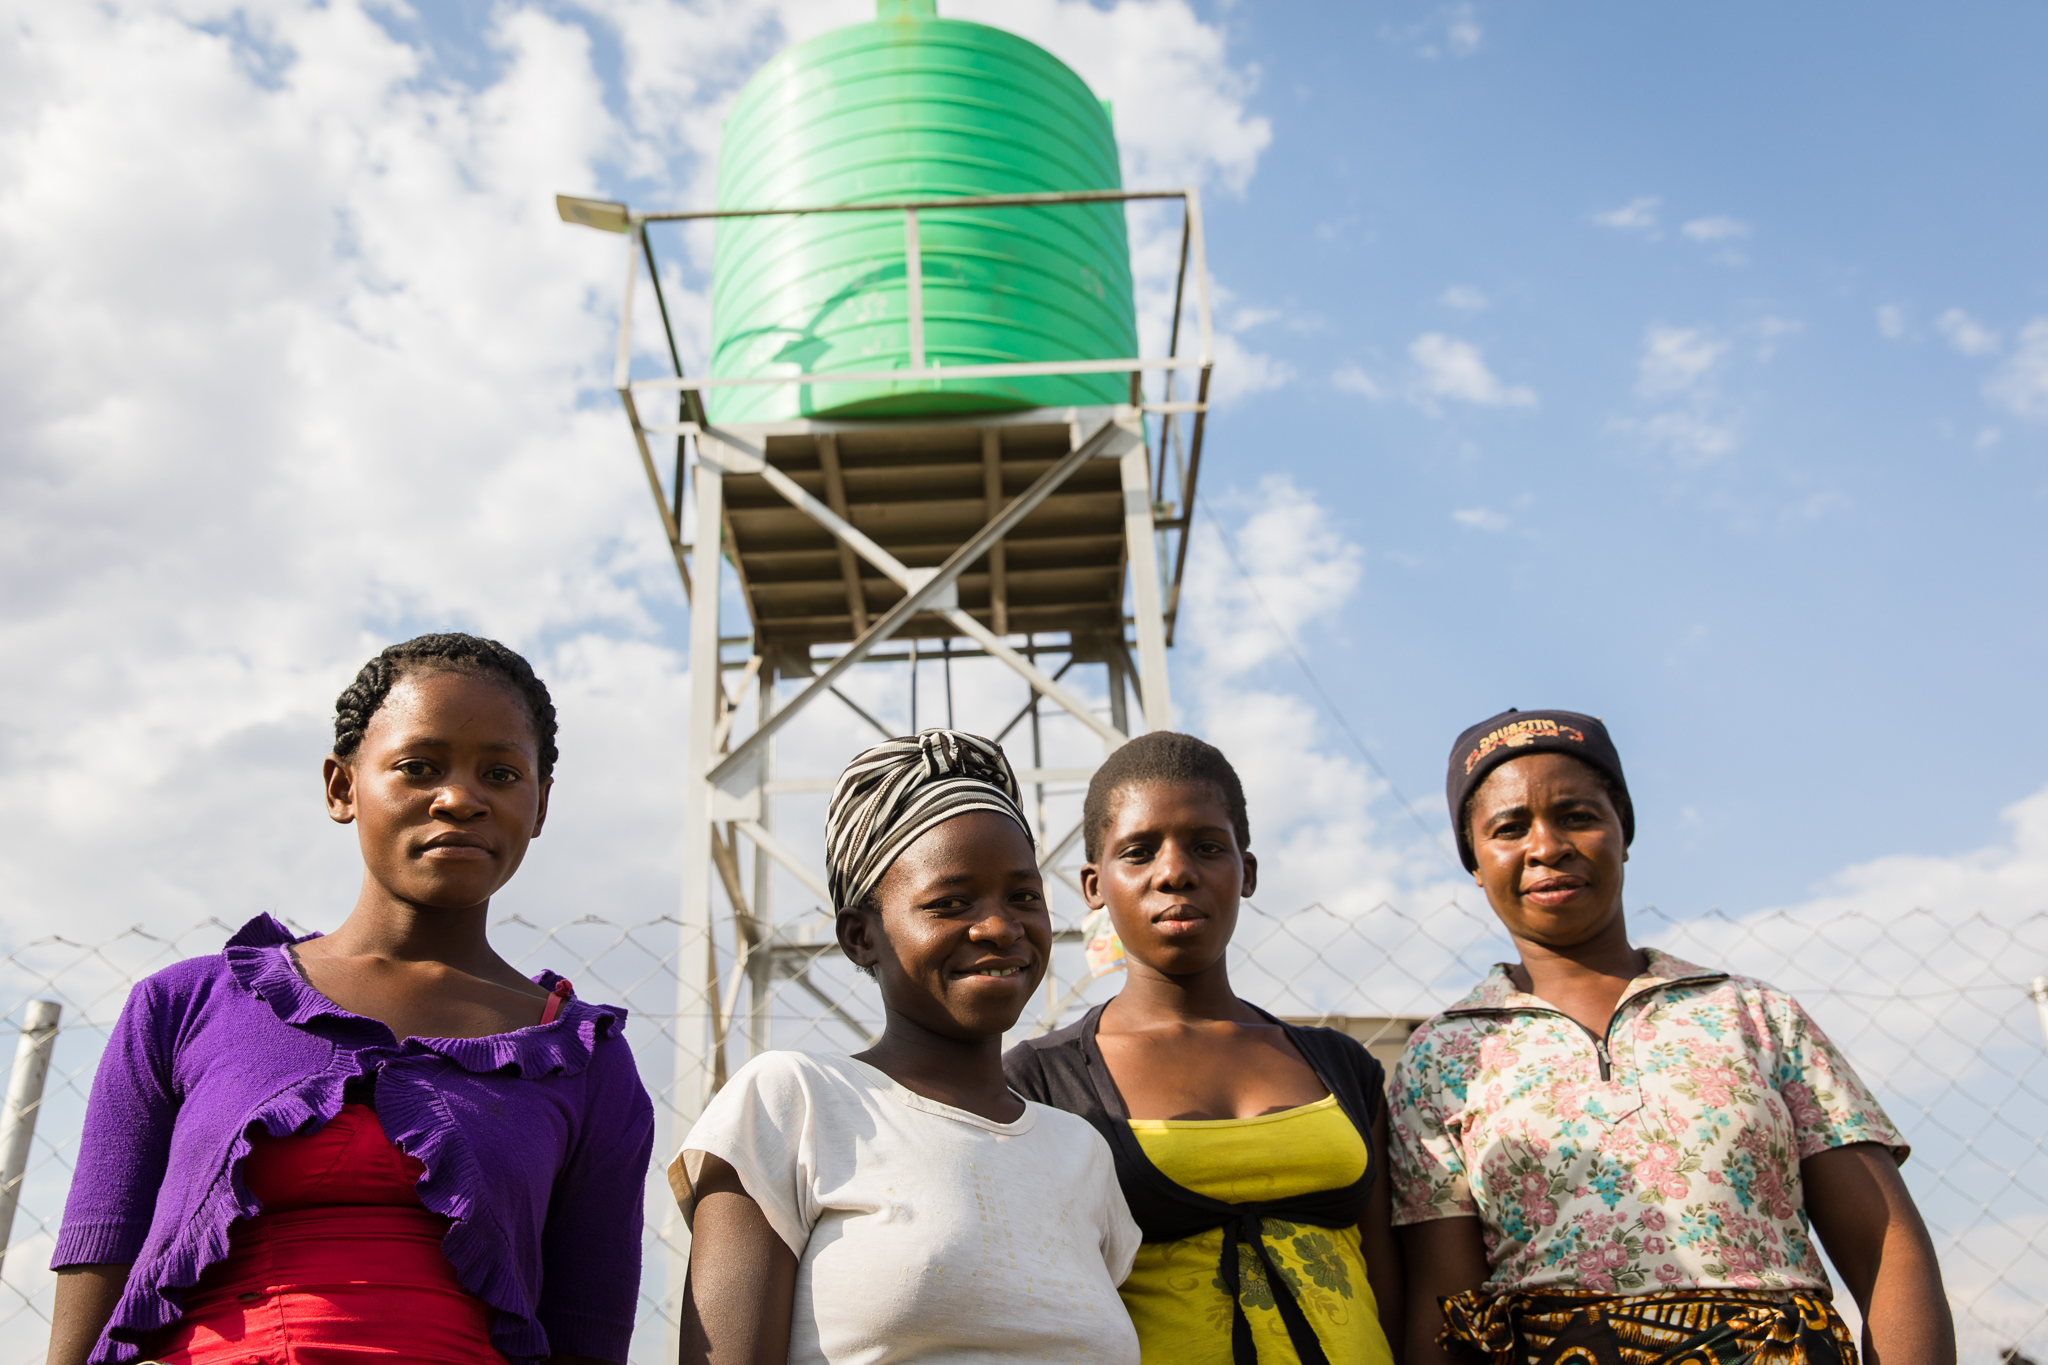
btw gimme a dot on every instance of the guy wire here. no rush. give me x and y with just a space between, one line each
1229 549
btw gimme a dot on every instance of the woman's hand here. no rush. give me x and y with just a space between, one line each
1873 1234
86 1295
742 1285
1445 1256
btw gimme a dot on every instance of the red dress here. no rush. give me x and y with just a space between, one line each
343 1266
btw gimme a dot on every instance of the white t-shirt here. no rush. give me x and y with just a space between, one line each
923 1232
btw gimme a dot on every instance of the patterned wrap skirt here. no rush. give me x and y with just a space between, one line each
1665 1327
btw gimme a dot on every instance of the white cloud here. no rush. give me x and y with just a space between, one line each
353 384
1353 379
1300 568
2005 878
1674 359
1456 371
1679 366
1689 438
1480 519
1453 30
1715 229
2021 384
1320 816
1637 215
1463 32
258 436
1446 369
1769 329
1242 371
1465 298
1891 321
1966 334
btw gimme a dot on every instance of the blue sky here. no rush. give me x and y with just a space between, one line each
1818 640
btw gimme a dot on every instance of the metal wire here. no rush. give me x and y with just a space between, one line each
1432 832
1927 1005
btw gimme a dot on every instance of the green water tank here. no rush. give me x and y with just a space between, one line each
916 106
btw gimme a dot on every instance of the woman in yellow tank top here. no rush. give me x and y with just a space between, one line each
1250 1151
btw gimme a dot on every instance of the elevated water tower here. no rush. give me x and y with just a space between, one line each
926 427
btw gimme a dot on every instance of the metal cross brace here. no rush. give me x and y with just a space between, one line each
924 589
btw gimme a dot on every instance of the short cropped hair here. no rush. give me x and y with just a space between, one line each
1163 756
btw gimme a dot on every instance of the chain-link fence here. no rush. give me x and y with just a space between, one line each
1932 1009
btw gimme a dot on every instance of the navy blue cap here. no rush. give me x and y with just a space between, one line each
1515 734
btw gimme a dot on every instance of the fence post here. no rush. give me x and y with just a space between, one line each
24 1101
2038 988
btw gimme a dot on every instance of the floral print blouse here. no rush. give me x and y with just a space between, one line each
1662 1156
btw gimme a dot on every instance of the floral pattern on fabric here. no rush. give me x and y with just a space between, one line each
1679 1169
1324 1269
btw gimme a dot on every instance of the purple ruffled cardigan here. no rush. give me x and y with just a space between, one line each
535 1143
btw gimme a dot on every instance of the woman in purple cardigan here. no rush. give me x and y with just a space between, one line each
384 1142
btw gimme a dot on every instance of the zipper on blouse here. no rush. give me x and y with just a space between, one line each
1599 1039
1599 1043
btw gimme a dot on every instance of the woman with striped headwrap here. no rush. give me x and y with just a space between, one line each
904 1203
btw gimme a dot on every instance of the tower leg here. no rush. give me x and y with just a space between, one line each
760 979
1141 543
1119 702
693 941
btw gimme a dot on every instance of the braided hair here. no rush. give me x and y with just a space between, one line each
449 653
1161 756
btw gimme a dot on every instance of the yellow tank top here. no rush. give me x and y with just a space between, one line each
1175 1294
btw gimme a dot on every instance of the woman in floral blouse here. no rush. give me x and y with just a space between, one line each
1604 1153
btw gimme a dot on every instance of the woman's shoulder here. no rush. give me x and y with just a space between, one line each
231 974
1053 1067
188 981
1065 1128
1335 1045
585 1039
784 1078
1441 1056
1354 1075
1680 980
1453 1023
1070 1143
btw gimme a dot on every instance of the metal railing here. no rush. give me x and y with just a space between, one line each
1175 473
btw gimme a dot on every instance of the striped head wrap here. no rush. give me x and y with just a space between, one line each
896 791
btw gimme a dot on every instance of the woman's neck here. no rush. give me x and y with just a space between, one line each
382 925
966 1073
1152 998
1584 980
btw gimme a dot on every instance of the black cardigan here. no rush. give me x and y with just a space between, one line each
1064 1069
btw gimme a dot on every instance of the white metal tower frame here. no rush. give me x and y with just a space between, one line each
730 780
